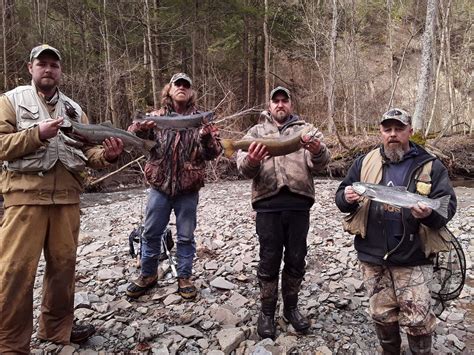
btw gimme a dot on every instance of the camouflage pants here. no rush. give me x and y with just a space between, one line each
400 294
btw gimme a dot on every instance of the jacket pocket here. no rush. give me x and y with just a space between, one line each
191 178
155 174
29 163
28 116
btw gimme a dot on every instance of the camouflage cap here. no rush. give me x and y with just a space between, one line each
280 89
398 115
181 76
35 52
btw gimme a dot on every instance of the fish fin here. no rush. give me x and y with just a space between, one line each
107 124
228 146
443 205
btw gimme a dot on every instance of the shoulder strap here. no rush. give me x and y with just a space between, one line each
371 170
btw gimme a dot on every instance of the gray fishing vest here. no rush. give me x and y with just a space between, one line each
30 111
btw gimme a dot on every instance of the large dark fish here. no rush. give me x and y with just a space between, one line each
96 133
275 146
176 121
398 196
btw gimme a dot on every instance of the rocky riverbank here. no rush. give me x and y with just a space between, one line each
222 320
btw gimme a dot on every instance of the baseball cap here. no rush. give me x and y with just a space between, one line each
181 76
398 115
35 52
280 89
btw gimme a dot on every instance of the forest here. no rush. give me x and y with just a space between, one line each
345 61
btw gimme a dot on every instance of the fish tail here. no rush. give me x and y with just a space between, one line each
443 205
228 146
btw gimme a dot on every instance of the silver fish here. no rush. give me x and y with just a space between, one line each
97 133
176 121
398 196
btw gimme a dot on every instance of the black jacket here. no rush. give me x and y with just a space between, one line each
405 248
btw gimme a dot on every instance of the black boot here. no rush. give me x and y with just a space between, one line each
419 344
290 287
389 338
266 327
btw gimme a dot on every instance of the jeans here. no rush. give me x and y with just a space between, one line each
158 213
282 235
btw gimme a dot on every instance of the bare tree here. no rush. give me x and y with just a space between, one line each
331 87
149 41
426 72
266 52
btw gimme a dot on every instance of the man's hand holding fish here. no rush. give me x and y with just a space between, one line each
420 210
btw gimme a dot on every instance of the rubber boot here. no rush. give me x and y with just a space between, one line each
290 287
389 338
266 327
419 344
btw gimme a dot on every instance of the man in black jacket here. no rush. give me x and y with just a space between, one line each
396 266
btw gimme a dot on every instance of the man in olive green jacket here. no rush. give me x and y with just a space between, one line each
41 182
282 195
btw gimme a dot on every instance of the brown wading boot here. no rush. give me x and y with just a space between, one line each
290 287
389 338
266 327
140 285
80 333
419 344
186 288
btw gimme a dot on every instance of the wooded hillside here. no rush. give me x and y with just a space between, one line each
345 61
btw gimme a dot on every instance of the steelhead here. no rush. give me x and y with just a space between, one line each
176 121
96 133
398 196
275 145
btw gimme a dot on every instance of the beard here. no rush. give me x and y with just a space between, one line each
394 154
280 116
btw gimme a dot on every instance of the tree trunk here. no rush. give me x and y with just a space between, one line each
151 56
4 45
444 24
426 72
332 68
266 53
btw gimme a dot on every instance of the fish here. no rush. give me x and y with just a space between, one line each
93 134
176 121
398 196
276 146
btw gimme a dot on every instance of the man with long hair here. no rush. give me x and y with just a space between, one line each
175 171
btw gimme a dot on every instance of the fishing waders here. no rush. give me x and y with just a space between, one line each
266 327
290 287
389 338
420 344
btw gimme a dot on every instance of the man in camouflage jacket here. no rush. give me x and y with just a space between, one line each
282 195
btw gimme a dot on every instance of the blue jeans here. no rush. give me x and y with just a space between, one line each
158 213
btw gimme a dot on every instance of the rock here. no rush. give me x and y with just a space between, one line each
229 339
222 283
187 332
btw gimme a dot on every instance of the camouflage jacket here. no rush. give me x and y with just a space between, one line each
177 164
293 170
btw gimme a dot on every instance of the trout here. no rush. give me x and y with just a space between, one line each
176 121
93 134
398 196
276 146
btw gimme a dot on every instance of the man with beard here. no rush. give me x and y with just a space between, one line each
175 170
282 195
41 180
395 259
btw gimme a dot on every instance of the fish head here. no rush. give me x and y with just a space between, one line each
359 188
